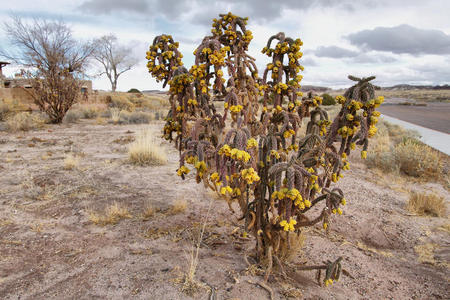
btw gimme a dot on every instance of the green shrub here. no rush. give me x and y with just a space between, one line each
133 90
328 100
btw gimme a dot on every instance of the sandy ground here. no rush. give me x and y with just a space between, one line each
49 249
434 115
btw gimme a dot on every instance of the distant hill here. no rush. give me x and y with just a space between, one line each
154 92
417 87
307 88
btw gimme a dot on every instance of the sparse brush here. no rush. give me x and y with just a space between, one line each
426 204
112 215
145 151
71 162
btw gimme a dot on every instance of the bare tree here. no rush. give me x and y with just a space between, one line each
55 62
115 59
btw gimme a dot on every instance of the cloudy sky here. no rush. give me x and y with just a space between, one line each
398 41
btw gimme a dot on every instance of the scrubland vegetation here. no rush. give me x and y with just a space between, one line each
95 207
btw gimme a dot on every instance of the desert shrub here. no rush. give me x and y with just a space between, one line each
328 100
426 204
133 90
418 160
89 113
145 150
139 117
384 161
136 117
54 59
253 153
24 121
119 100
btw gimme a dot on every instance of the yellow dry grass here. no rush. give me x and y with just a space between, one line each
115 114
71 162
289 253
148 211
426 204
146 151
112 215
24 121
426 253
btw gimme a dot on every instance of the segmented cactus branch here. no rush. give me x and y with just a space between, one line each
254 154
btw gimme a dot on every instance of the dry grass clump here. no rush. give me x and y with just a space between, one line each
426 253
426 204
149 211
9 107
115 114
5 110
112 215
71 162
24 121
297 241
146 151
178 207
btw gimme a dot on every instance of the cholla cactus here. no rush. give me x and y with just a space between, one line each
252 153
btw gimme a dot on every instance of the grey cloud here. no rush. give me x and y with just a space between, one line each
402 39
108 6
334 52
259 10
365 58
308 62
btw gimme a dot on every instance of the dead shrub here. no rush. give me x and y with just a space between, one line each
145 151
426 204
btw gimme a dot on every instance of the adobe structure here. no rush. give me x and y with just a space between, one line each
2 64
19 82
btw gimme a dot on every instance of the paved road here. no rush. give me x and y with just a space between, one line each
434 116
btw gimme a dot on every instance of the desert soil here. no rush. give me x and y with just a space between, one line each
49 248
